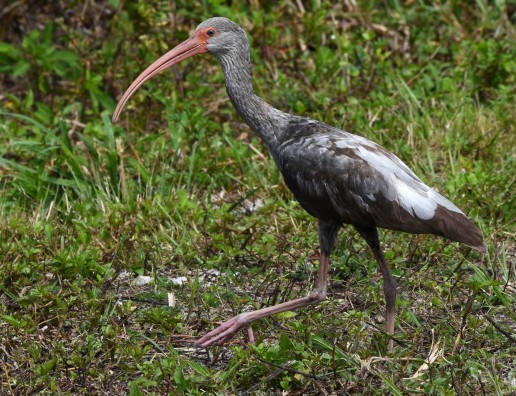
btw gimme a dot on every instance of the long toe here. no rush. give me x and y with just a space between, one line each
250 333
222 333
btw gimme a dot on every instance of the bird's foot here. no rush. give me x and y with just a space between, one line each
226 331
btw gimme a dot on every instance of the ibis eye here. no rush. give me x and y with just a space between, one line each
210 32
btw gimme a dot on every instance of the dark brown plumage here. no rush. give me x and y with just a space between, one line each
337 177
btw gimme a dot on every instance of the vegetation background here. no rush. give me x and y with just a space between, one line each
182 192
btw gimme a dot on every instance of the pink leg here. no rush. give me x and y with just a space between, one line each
228 329
250 333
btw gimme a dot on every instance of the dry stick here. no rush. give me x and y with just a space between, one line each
510 267
381 330
166 377
454 271
454 384
270 377
497 327
465 314
467 310
143 300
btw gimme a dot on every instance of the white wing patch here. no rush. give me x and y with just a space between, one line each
403 185
443 201
400 184
415 202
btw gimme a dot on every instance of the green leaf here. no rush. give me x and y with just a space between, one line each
448 84
14 321
285 315
179 377
199 368
8 49
20 68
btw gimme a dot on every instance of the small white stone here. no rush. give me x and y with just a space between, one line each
251 206
179 280
124 275
141 280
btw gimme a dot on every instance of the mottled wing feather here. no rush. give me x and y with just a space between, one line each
338 175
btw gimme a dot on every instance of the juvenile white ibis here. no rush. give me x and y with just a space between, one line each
337 177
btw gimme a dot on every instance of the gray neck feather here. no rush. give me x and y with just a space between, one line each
265 120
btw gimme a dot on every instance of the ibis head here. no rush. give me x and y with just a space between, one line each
219 36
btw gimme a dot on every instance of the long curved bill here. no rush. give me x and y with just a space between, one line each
193 46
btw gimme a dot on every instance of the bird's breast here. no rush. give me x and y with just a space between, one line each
322 192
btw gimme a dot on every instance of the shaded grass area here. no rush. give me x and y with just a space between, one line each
183 190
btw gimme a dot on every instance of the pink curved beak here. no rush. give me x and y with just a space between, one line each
193 46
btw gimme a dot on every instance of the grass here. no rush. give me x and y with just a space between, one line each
182 189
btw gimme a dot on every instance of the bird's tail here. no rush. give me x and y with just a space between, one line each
457 227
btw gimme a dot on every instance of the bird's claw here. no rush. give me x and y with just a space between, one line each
225 332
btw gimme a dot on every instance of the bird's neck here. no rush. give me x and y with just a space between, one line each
265 120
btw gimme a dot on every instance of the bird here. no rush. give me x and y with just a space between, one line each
338 177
